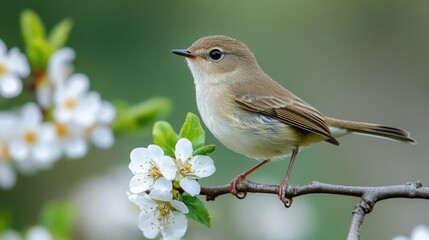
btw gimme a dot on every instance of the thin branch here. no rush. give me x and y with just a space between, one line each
369 195
357 220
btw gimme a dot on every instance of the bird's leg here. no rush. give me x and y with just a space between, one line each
283 186
236 181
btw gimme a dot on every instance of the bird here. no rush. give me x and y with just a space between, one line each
253 115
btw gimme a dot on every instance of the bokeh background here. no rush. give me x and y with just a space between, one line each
362 60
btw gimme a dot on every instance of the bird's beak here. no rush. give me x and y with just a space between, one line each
183 53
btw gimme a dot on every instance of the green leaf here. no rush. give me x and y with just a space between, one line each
39 51
165 137
131 118
193 131
197 210
59 219
59 34
205 150
31 27
5 219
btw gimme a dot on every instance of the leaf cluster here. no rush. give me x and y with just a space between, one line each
40 45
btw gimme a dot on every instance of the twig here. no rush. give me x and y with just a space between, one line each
369 195
357 220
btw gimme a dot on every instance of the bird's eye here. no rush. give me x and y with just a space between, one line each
215 55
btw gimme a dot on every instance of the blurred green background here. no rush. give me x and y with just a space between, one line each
361 60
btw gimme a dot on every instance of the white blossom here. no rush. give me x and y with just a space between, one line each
191 167
13 67
34 233
7 175
59 69
8 121
71 139
73 101
38 233
60 66
34 143
100 132
420 232
43 90
160 213
10 234
149 165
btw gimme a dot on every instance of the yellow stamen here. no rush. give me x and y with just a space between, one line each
164 208
185 169
89 129
155 172
4 152
3 69
62 130
70 103
30 137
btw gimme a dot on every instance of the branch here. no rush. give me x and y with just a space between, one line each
369 195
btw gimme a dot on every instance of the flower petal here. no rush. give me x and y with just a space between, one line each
166 164
162 190
10 86
183 150
161 195
86 111
8 125
180 206
10 234
60 67
43 95
102 137
168 168
38 233
143 201
420 232
190 186
177 227
202 166
19 150
156 153
62 114
149 224
75 147
106 113
140 183
31 115
163 184
46 132
18 62
140 160
7 176
44 154
77 83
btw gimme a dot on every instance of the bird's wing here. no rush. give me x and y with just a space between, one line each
294 112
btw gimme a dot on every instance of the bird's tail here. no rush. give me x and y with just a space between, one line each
341 127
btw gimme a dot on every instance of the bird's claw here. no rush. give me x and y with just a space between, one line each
233 187
282 195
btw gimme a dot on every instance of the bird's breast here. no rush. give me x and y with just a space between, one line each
251 134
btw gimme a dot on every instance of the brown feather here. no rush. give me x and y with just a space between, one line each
372 129
305 118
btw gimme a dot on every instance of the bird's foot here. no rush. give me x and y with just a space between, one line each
233 186
282 194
